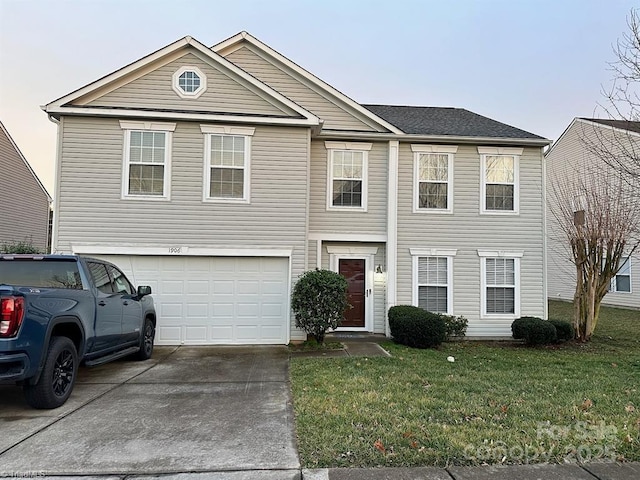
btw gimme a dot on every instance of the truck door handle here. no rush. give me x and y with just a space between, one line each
125 303
102 303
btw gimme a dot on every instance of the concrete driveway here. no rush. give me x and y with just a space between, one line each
188 409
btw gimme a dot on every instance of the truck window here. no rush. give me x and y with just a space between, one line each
27 272
100 277
120 282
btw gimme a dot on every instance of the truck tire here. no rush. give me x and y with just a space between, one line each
146 340
58 376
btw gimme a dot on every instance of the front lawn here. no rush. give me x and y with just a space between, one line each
497 403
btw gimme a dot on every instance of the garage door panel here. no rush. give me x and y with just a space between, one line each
214 300
169 287
222 287
168 335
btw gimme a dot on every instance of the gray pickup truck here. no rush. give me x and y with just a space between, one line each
58 311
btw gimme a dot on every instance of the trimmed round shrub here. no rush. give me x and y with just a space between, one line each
534 331
520 326
415 327
541 333
564 330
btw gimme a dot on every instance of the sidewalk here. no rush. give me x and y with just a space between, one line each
589 471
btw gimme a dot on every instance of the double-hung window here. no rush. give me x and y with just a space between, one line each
227 163
433 279
499 179
622 281
347 175
147 159
500 283
433 178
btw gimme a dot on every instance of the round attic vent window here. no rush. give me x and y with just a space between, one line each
189 82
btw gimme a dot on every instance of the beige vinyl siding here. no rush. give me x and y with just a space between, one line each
92 211
374 220
379 284
297 89
568 156
467 231
25 206
224 94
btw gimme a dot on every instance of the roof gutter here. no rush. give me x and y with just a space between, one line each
533 142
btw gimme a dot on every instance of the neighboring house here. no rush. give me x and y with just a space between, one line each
573 154
219 175
25 202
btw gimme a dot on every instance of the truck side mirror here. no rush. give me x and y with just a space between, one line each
144 290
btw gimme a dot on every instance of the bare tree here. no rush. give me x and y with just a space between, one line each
600 220
621 149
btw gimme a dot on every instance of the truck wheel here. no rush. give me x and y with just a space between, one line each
146 341
58 376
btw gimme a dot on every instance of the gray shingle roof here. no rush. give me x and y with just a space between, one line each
621 124
446 121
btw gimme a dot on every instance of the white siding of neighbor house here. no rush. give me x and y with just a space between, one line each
570 155
91 210
224 94
467 231
374 220
25 206
297 89
379 283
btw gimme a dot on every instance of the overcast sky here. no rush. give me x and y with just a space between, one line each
531 64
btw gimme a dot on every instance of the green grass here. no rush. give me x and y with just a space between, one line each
497 403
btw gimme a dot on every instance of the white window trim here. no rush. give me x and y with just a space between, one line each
348 146
247 133
417 253
418 150
513 254
500 151
614 283
197 92
165 127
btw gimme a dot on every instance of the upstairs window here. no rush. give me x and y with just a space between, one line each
499 179
347 175
189 82
147 159
622 281
433 178
227 161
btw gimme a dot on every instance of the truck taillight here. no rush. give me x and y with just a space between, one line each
11 315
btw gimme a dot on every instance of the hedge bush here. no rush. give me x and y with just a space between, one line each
318 301
535 331
454 326
564 330
415 327
520 326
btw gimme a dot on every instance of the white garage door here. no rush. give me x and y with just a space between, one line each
214 300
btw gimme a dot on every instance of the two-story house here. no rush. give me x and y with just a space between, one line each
219 175
583 150
25 202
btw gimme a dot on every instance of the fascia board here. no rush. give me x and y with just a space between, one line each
326 135
109 112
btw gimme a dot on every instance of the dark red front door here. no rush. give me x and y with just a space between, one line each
354 271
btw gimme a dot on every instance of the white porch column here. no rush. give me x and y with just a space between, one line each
392 229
